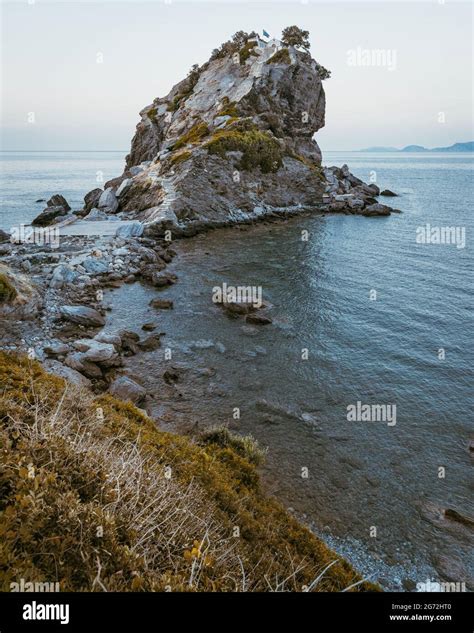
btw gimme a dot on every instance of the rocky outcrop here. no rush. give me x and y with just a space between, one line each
232 142
57 207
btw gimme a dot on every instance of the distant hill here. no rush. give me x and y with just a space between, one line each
414 148
457 147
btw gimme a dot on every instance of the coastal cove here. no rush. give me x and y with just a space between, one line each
339 477
380 351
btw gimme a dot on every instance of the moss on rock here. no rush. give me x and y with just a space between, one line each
193 135
7 290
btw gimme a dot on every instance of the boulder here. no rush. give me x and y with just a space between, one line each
58 201
63 275
376 209
95 351
149 327
387 192
95 266
82 315
108 201
109 337
131 229
235 309
4 236
56 348
68 373
91 199
125 388
96 215
129 342
150 344
163 279
49 215
76 361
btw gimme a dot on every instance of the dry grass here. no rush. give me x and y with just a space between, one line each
92 495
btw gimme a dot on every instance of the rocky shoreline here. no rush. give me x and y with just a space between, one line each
58 311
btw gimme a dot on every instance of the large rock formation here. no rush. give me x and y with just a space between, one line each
231 142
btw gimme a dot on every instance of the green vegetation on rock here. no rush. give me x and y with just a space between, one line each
94 496
247 50
176 159
229 108
151 114
259 149
193 135
323 73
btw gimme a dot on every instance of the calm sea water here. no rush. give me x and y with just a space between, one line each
347 478
28 176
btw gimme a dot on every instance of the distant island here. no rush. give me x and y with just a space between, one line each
457 147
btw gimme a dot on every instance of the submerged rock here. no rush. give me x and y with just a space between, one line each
150 344
161 304
387 192
258 319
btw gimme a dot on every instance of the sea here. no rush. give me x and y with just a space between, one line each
360 389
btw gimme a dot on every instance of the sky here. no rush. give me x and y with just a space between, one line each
75 75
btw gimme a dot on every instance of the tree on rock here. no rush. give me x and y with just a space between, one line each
294 36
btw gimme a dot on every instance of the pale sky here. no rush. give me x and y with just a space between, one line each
50 51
